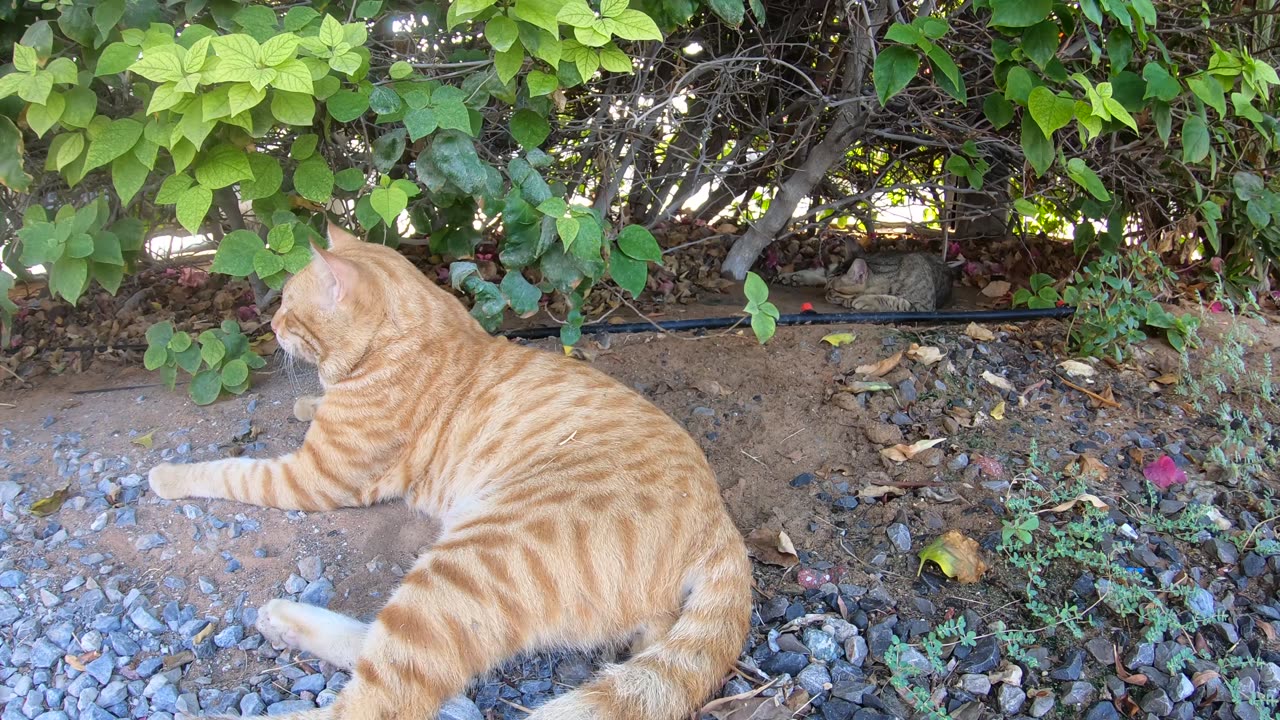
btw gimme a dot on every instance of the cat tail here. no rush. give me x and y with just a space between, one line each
672 677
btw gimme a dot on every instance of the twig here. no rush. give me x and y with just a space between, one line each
740 696
753 457
1090 393
517 706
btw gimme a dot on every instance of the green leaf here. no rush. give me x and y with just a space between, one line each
79 245
541 83
508 63
297 257
212 349
115 58
388 203
161 63
279 49
400 70
39 37
281 237
205 387
501 32
345 105
155 357
1195 139
1051 112
630 274
576 13
384 100
755 289
115 140
351 179
1209 90
43 117
236 252
313 179
1019 13
294 76
1037 148
160 334
293 108
12 174
128 175
529 128
82 103
638 243
1248 186
180 342
731 11
304 146
222 166
420 123
266 177
388 149
348 63
189 359
68 277
540 13
172 188
998 110
66 148
193 206
635 25
614 59
947 74
894 69
1040 42
522 295
554 207
1160 84
567 228
267 263
1078 171
25 58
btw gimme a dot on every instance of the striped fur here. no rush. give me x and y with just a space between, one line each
574 513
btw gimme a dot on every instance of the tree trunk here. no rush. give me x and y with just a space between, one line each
983 214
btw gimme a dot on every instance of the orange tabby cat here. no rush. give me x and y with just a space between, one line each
573 512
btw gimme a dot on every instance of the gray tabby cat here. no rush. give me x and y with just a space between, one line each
894 282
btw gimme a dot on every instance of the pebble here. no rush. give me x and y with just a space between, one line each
1011 699
900 536
146 621
814 679
821 645
12 578
1200 602
460 708
318 593
311 568
150 542
1077 693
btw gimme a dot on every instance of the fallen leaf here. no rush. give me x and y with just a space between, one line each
996 289
145 440
1131 678
881 368
846 401
205 632
997 381
50 505
1204 676
879 491
178 660
772 547
901 453
710 387
997 412
1086 466
977 332
762 708
861 386
838 339
957 555
925 355
1093 500
1164 472
989 466
74 662
1167 379
1075 368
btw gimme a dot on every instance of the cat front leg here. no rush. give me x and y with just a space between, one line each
298 481
803 278
306 407
881 303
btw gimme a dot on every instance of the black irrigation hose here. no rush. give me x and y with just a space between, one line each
863 318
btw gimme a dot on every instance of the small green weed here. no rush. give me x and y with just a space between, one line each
223 353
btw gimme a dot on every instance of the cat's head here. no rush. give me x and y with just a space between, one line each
854 282
335 311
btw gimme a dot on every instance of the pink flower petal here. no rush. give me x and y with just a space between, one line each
1216 306
1164 472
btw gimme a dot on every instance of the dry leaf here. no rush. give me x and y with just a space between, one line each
977 332
74 662
926 355
710 387
996 289
205 632
145 440
1075 368
902 453
881 368
178 660
861 386
838 339
1167 379
772 547
1131 678
762 708
50 505
997 381
1086 466
957 555
879 491
1093 500
997 412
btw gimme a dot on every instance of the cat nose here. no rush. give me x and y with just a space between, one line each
275 322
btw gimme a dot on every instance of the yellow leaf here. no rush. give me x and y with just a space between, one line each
1075 368
51 504
1086 466
977 332
957 555
996 289
204 633
772 547
838 339
1167 379
145 440
568 350
902 453
1090 498
997 381
997 412
881 368
926 355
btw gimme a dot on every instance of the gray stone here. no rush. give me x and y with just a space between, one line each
814 679
1141 654
984 657
975 684
150 542
295 584
311 568
1102 650
115 692
284 707
1077 693
318 593
102 668
309 683
1011 699
821 645
460 708
1072 668
1180 687
45 654
252 705
229 636
856 650
1041 705
915 659
1201 602
900 536
12 578
146 621
1157 702
1269 675
1102 710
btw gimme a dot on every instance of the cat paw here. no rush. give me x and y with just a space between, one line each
802 278
275 625
305 407
166 481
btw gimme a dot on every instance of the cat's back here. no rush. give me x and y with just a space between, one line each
907 274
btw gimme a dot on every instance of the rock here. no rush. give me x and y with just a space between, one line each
284 707
150 542
958 463
1077 693
915 659
102 668
12 578
229 636
1157 702
146 622
855 649
900 536
1180 688
785 662
1141 654
1102 710
821 645
1072 668
460 708
318 593
1225 551
983 658
883 433
311 568
880 636
313 683
295 584
814 679
45 654
1253 565
252 705
802 480
907 392
1201 602
1041 705
836 709
1102 650
1011 699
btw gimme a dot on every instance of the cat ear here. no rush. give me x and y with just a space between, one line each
338 275
857 271
339 236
